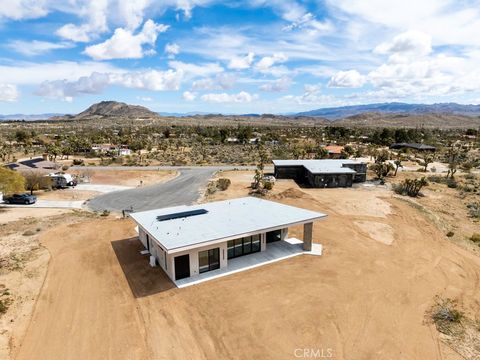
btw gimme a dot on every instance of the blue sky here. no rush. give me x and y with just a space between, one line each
249 56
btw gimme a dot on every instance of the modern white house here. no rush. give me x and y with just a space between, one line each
190 240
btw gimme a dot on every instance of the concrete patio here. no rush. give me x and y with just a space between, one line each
275 251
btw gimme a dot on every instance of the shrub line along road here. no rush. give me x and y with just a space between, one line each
182 190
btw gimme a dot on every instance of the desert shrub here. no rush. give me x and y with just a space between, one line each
410 187
78 162
451 183
475 238
29 233
433 169
474 210
223 184
4 304
268 185
105 213
65 167
446 316
450 234
211 188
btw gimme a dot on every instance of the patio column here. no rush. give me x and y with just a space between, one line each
307 236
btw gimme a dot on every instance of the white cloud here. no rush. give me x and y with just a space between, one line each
125 45
241 97
347 79
153 80
196 70
172 49
8 92
220 82
189 96
241 62
23 9
267 62
145 98
278 85
410 43
35 47
96 13
95 83
27 73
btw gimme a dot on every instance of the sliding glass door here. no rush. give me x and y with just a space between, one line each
243 246
209 260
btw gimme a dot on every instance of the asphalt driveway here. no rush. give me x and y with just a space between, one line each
184 189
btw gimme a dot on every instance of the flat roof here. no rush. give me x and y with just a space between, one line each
221 221
321 166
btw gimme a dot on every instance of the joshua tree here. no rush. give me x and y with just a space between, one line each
427 159
398 164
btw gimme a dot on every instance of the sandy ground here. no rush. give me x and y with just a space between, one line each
66 194
126 177
13 214
364 299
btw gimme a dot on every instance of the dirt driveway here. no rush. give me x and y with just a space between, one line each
364 299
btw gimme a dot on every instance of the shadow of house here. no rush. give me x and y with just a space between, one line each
143 279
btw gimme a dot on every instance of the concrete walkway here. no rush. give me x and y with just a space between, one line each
101 187
54 204
275 251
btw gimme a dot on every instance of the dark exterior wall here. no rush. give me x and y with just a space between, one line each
361 171
303 176
297 173
330 180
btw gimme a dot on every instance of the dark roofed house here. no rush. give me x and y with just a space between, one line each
39 163
414 146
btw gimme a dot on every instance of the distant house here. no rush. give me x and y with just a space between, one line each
110 148
414 146
38 163
334 151
329 173
124 152
231 140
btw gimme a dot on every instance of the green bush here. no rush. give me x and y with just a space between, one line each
475 238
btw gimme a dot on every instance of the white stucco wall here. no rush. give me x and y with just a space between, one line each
167 261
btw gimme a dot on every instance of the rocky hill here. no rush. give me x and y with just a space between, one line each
106 109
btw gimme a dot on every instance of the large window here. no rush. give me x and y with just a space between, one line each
273 236
243 246
209 260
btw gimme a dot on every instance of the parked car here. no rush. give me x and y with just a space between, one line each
25 199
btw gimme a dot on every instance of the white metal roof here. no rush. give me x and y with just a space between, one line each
323 166
224 220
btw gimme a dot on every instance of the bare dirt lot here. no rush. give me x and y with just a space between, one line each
366 298
131 178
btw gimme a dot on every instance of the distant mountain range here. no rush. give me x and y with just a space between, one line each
371 115
25 117
394 108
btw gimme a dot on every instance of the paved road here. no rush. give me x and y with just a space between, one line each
184 189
